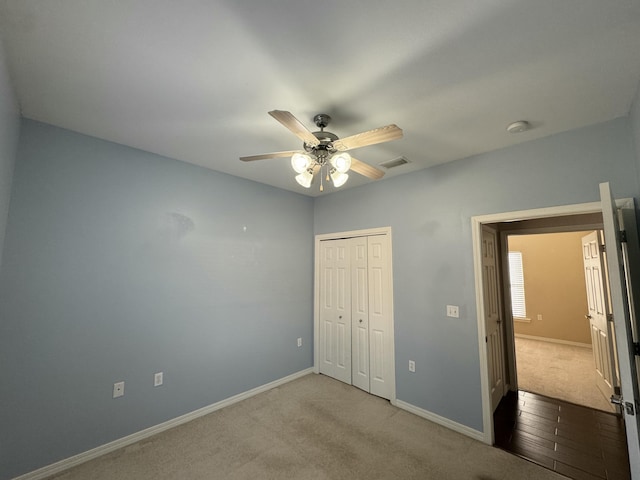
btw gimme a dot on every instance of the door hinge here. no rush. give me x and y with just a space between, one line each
603 248
623 236
629 408
636 349
609 317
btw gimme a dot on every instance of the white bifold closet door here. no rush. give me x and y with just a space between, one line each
355 312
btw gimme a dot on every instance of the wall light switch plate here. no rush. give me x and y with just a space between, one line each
118 389
412 366
299 342
452 311
158 379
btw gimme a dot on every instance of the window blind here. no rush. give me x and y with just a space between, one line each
516 280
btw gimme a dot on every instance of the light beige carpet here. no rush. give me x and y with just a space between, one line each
559 371
312 428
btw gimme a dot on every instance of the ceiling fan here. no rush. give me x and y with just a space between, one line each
325 151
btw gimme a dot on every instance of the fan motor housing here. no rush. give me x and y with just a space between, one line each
326 144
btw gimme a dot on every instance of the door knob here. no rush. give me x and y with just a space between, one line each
588 317
360 320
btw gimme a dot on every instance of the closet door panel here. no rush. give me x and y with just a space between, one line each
335 310
380 311
360 313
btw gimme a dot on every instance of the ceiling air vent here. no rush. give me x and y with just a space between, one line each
396 162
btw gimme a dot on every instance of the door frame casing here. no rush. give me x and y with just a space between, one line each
476 234
316 296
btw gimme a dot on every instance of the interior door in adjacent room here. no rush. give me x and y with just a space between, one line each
494 327
602 334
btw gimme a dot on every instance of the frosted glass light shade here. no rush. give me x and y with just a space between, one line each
305 178
339 179
341 162
300 162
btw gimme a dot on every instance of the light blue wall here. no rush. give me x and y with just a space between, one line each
634 115
120 263
9 133
430 214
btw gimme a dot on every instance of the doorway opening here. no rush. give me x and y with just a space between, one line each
566 369
618 265
555 308
544 218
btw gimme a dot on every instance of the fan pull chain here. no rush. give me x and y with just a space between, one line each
321 185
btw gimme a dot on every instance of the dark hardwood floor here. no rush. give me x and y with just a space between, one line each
578 442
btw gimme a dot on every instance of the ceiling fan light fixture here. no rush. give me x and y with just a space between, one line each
341 162
324 153
339 178
305 178
300 162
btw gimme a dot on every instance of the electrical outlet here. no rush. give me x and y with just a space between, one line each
412 366
158 379
299 342
118 389
539 316
452 311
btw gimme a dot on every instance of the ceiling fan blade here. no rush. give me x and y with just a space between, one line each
251 158
370 137
293 124
366 169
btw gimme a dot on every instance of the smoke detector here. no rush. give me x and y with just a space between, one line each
518 127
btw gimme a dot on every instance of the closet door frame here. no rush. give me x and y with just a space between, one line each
316 297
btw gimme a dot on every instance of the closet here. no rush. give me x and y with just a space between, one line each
355 310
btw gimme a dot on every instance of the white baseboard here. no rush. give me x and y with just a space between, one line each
445 422
552 340
83 457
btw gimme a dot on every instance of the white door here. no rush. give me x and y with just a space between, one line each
360 314
495 335
622 322
335 310
597 301
380 316
355 294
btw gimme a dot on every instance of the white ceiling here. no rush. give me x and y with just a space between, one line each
193 80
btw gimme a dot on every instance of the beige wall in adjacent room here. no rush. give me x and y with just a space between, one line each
554 286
